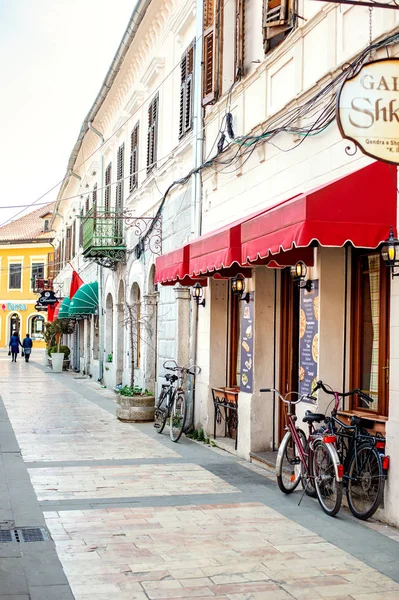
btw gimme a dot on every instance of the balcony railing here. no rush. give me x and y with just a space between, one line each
103 237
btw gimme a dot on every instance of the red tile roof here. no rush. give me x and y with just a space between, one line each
28 228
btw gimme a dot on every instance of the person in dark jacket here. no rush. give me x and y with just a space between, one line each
14 345
27 347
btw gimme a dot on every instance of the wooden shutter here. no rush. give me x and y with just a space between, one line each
239 40
134 158
152 136
120 169
107 191
73 244
68 244
81 229
213 47
51 265
186 91
94 197
87 204
278 17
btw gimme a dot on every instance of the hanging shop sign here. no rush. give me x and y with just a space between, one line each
309 338
47 298
368 109
247 345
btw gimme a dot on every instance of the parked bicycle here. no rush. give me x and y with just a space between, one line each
172 401
312 460
361 453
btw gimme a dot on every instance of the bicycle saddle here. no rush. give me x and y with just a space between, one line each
313 417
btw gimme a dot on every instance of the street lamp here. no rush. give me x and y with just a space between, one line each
197 294
298 273
390 253
238 287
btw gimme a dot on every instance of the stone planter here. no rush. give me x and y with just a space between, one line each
135 408
57 361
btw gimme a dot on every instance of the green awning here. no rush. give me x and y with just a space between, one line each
63 313
85 301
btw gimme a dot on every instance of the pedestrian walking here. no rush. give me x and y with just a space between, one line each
14 345
27 347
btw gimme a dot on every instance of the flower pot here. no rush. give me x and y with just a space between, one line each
57 359
135 408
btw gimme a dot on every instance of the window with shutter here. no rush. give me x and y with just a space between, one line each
279 19
73 243
107 191
239 45
120 164
134 158
68 244
186 91
81 229
51 258
87 204
152 136
94 197
213 50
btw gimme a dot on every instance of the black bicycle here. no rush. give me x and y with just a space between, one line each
362 454
172 401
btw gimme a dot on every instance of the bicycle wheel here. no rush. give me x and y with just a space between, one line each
178 415
365 482
328 489
307 480
161 412
288 466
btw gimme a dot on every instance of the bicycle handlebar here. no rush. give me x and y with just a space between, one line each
193 370
320 386
284 399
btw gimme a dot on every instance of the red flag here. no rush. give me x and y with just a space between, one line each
76 282
50 312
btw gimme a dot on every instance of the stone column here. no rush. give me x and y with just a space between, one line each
182 295
149 340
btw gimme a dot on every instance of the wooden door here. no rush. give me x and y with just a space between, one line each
289 341
370 330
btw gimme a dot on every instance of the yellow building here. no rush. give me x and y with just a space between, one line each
25 260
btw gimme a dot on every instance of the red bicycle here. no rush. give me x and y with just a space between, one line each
313 460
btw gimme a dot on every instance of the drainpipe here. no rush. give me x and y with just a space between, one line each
196 211
101 273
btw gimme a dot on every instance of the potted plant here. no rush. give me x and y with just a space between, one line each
54 333
62 350
134 404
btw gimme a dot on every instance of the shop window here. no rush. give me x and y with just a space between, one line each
37 327
370 337
15 276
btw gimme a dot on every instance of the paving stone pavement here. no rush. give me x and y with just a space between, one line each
134 516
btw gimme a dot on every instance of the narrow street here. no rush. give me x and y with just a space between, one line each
134 516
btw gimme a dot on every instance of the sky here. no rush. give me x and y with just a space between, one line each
54 55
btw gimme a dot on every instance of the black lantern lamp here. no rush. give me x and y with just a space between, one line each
238 287
197 294
390 253
298 274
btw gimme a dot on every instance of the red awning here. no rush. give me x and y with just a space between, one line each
215 251
358 208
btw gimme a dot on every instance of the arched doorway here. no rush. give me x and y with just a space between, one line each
15 324
120 338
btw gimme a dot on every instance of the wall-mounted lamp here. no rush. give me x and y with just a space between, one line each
197 294
298 274
390 253
238 288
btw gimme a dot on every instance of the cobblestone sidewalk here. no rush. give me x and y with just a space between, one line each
136 517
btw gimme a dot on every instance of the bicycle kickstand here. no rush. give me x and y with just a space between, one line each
303 493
